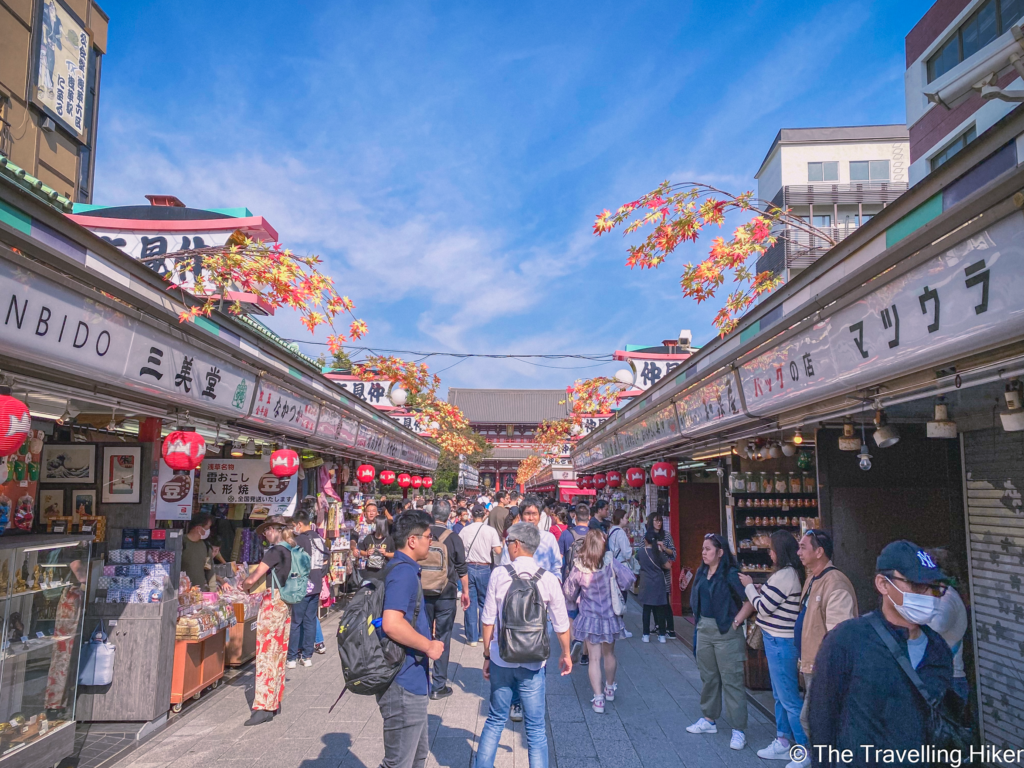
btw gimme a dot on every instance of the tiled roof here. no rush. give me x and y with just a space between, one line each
510 406
35 186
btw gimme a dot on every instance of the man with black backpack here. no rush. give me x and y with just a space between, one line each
521 597
444 566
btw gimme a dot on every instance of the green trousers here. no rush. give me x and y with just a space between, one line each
720 661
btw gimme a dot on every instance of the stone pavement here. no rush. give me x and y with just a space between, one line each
658 696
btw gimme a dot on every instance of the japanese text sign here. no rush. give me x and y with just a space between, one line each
246 481
283 409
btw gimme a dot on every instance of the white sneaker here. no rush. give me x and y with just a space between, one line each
609 691
627 633
473 644
645 638
799 763
738 740
290 664
598 703
516 713
775 751
702 726
661 639
307 662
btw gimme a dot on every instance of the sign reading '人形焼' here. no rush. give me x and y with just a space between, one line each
246 481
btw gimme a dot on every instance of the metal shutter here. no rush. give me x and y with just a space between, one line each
994 466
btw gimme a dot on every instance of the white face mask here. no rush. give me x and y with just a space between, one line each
917 609
205 534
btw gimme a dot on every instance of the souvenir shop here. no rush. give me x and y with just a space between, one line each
120 423
878 395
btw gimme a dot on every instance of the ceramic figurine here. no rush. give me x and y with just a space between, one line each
20 584
37 579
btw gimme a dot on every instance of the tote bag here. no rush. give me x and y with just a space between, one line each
96 666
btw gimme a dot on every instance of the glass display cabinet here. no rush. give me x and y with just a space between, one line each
42 594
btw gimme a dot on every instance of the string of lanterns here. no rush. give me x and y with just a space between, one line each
662 474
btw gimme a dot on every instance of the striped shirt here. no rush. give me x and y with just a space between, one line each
778 603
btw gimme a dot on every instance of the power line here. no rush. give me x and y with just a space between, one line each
602 357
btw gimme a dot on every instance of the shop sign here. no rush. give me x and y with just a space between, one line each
660 427
715 403
329 423
371 392
348 430
62 67
649 372
590 423
246 481
968 298
278 407
174 494
150 245
370 440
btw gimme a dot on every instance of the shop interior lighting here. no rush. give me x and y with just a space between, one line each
775 451
237 450
112 424
798 436
942 427
886 435
250 447
788 449
849 441
1013 418
66 416
864 456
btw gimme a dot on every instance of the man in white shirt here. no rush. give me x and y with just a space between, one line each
480 541
527 680
548 555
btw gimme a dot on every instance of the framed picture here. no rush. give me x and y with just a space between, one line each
51 503
122 475
71 463
83 503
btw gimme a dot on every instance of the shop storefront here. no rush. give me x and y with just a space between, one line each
875 395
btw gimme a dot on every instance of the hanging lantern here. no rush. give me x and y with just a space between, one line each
416 481
387 477
365 473
15 422
600 481
284 462
662 473
583 481
428 482
404 481
183 450
635 477
614 479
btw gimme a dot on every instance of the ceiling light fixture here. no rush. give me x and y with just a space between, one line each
864 456
237 450
798 436
112 424
66 416
250 447
886 435
941 427
1013 418
848 441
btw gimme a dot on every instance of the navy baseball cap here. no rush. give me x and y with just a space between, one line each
914 563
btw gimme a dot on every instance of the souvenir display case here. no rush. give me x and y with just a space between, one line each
43 599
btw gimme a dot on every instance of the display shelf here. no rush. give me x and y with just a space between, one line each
34 591
34 646
765 527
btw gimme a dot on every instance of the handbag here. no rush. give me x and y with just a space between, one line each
755 637
948 724
618 604
96 664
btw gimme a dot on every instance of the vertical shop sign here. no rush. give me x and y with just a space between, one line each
348 431
61 69
174 494
329 424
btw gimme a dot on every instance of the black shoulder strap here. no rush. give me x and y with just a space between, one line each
536 576
478 532
807 594
901 658
511 571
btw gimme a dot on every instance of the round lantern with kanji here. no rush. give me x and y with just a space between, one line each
365 473
15 422
583 481
416 481
635 477
662 473
428 482
614 478
183 450
404 480
284 462
600 481
387 477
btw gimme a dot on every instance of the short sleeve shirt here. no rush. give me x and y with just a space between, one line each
279 560
401 590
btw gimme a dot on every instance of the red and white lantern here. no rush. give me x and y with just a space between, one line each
600 481
404 481
635 477
428 482
417 482
365 473
284 462
614 479
663 473
387 477
183 451
15 422
583 481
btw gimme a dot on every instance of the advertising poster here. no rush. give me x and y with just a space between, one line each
247 481
173 495
62 67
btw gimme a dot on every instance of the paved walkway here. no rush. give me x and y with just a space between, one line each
659 691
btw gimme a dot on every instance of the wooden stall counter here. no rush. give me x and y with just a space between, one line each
198 664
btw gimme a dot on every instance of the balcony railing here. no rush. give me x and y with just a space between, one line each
795 249
854 192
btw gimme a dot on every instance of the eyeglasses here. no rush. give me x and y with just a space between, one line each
935 590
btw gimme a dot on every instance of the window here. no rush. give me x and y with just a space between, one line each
952 148
869 170
823 221
823 171
993 18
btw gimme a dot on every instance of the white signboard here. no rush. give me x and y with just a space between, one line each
372 392
348 431
174 494
246 481
283 409
713 404
650 371
148 246
329 424
62 67
659 427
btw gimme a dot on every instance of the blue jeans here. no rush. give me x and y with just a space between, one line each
530 687
303 634
479 578
319 632
782 666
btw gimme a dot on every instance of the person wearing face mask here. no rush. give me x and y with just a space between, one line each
196 554
862 691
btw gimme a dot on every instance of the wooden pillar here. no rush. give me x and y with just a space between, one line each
149 432
675 521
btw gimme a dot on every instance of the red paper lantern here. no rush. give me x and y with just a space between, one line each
284 463
600 481
404 481
387 477
15 422
635 477
428 482
614 479
584 481
365 473
417 482
663 473
183 451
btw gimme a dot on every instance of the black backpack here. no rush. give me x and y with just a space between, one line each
370 660
574 549
523 631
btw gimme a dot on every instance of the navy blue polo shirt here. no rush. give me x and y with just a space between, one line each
401 588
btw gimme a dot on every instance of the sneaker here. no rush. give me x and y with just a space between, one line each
702 726
738 740
473 644
576 651
516 714
609 691
627 633
598 704
307 662
584 659
291 664
672 634
645 638
320 648
661 639
777 750
797 751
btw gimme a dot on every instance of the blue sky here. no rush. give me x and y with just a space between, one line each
447 159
